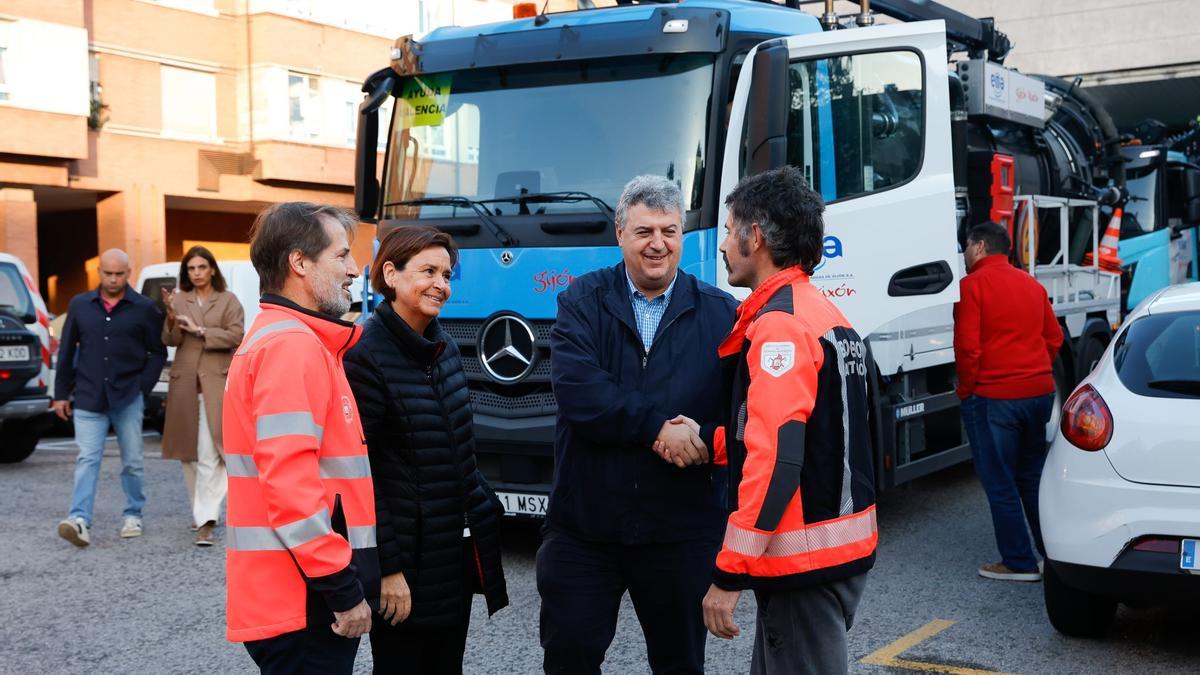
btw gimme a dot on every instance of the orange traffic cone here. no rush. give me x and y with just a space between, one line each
1108 244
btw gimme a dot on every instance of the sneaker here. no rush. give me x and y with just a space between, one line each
74 530
999 571
132 527
204 535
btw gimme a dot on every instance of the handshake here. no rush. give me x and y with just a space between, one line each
679 442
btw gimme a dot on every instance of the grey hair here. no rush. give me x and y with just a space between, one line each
658 193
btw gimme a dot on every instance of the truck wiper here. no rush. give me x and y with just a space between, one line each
478 207
1189 387
570 197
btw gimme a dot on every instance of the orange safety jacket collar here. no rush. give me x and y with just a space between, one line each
748 310
337 335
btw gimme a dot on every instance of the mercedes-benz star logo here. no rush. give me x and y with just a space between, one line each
506 257
506 348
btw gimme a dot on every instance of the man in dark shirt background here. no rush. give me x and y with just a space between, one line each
109 358
1005 340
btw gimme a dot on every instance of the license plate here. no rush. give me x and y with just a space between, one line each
14 353
1188 555
518 504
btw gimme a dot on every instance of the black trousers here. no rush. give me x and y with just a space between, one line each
427 651
315 650
581 584
437 651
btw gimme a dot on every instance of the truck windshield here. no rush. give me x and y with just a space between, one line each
589 126
1139 210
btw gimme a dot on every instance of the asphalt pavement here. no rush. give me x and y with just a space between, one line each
156 604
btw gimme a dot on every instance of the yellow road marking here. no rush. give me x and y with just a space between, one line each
889 655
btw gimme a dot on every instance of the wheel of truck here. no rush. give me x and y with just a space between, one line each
1089 355
1074 612
18 438
1062 389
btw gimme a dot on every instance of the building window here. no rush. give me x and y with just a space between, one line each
304 113
4 57
351 117
189 103
201 6
98 109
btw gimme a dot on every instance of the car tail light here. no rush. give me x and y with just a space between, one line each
1157 545
1086 420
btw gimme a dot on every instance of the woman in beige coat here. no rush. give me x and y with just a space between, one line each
204 324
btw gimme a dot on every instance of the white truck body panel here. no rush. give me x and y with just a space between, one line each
886 231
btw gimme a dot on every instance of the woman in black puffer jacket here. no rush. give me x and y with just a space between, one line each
438 520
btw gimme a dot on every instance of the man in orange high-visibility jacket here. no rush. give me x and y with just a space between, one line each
301 565
802 530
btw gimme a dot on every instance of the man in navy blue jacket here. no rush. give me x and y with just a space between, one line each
110 356
634 346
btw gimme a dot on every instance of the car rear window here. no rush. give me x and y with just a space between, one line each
14 297
152 288
1159 355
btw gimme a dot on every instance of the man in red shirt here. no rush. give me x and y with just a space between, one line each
1005 340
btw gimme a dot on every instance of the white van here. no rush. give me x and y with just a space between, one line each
241 279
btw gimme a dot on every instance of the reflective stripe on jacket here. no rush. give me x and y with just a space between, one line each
301 515
797 442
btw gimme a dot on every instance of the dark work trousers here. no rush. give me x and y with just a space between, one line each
803 632
581 584
313 651
1008 444
427 651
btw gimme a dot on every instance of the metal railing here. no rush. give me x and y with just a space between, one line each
1072 287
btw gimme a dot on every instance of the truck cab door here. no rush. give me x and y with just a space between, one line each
864 113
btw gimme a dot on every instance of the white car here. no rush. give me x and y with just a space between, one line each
1120 493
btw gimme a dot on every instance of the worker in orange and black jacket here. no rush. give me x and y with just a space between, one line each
301 565
802 530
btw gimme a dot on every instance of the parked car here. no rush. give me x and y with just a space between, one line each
24 361
1120 493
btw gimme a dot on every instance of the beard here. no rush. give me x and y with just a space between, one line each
332 298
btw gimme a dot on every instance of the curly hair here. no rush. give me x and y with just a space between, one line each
788 213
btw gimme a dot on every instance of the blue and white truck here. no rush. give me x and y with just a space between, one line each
517 137
1160 230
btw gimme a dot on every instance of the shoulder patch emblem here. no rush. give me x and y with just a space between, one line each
347 411
778 357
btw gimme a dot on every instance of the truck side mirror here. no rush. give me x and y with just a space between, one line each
366 180
767 109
